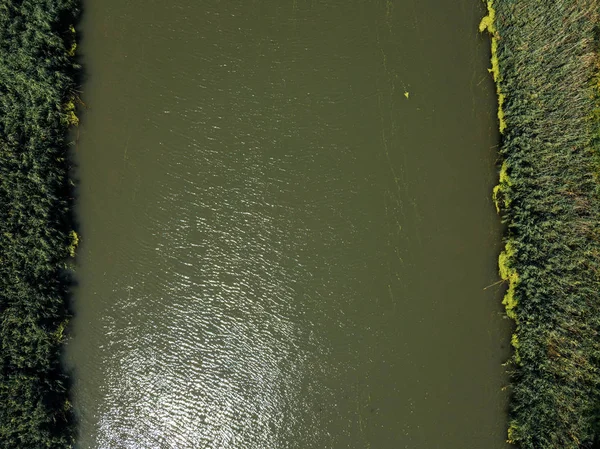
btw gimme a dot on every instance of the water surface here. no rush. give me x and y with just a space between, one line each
287 229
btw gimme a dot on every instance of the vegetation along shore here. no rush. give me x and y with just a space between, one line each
545 64
37 92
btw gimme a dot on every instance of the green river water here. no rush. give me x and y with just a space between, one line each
287 227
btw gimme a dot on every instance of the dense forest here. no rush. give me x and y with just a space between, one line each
37 92
545 64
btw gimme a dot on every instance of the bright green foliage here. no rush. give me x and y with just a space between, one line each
36 82
545 61
488 23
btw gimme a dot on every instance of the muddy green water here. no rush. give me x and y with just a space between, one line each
279 248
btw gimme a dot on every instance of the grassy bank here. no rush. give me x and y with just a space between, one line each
37 89
544 62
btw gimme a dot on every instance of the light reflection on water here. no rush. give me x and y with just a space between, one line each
216 364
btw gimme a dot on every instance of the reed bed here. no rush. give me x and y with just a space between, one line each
37 88
545 63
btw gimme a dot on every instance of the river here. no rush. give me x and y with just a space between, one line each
288 238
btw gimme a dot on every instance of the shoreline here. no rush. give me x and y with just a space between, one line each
38 82
545 67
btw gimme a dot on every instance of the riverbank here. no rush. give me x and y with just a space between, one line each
37 85
545 64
